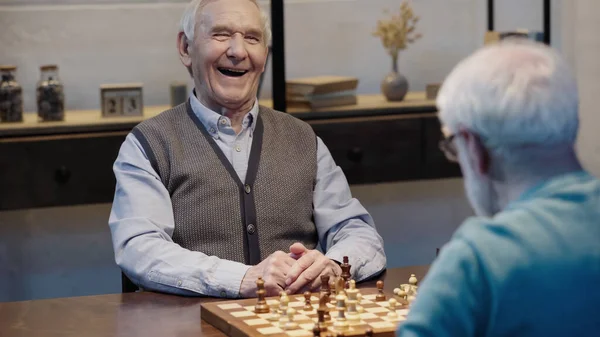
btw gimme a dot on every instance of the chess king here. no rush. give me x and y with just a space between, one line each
510 116
219 190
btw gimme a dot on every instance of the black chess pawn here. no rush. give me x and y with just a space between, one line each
323 300
380 295
325 284
261 305
346 272
307 304
369 332
316 331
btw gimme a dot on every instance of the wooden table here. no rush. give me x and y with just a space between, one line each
134 314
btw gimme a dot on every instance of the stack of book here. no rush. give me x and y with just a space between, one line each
321 92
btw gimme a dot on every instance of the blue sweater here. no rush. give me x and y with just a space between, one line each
532 270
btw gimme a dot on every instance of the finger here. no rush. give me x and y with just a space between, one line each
277 271
309 275
298 249
272 288
300 265
283 258
315 285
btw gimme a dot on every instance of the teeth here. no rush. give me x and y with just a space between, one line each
235 70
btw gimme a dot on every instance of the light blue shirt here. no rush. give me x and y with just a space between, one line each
532 270
142 221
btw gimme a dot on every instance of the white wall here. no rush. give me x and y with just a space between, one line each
106 41
581 31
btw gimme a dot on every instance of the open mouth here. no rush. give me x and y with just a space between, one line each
232 72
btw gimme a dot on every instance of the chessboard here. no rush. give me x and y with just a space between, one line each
238 318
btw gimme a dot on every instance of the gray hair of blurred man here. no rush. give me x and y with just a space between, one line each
187 24
513 94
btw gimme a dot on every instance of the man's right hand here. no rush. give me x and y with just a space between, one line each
273 270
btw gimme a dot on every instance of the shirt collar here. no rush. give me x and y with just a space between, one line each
210 119
551 186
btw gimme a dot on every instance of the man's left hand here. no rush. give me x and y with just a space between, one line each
306 273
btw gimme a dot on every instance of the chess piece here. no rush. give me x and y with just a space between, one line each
316 331
340 286
352 314
392 314
346 272
323 300
307 304
401 293
359 307
412 280
369 332
322 323
325 284
290 324
284 301
261 306
341 324
332 292
380 295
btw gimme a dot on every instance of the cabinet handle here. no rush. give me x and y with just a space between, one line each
62 175
355 154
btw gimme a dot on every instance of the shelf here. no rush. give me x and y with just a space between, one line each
79 121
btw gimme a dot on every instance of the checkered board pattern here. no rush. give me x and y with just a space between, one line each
236 318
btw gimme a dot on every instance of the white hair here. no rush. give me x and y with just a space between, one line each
512 93
187 23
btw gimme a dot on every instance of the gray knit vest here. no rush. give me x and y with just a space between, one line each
217 214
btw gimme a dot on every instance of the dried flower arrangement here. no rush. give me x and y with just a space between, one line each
398 31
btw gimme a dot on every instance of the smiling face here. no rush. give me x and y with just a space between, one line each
228 54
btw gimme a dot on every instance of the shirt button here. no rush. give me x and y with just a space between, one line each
223 121
238 148
179 283
223 293
251 229
248 189
212 130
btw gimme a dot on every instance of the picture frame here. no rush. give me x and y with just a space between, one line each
122 100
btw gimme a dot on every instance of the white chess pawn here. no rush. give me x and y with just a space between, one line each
392 314
290 324
412 280
284 300
341 324
359 308
352 314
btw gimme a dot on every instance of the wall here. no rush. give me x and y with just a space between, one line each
582 34
107 41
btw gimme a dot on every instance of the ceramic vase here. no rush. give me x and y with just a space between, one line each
394 86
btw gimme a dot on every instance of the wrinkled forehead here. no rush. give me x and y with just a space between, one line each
234 14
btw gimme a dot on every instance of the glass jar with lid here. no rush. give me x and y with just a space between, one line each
11 95
50 96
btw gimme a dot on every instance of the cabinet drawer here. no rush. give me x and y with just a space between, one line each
57 171
376 150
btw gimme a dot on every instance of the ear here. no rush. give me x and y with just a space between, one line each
478 153
183 48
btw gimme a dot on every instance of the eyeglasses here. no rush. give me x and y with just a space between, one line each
447 146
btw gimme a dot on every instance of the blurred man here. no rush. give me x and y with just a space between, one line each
219 191
529 263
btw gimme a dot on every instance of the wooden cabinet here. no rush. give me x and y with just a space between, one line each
70 163
374 150
57 170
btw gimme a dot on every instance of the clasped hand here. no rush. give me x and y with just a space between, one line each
297 271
